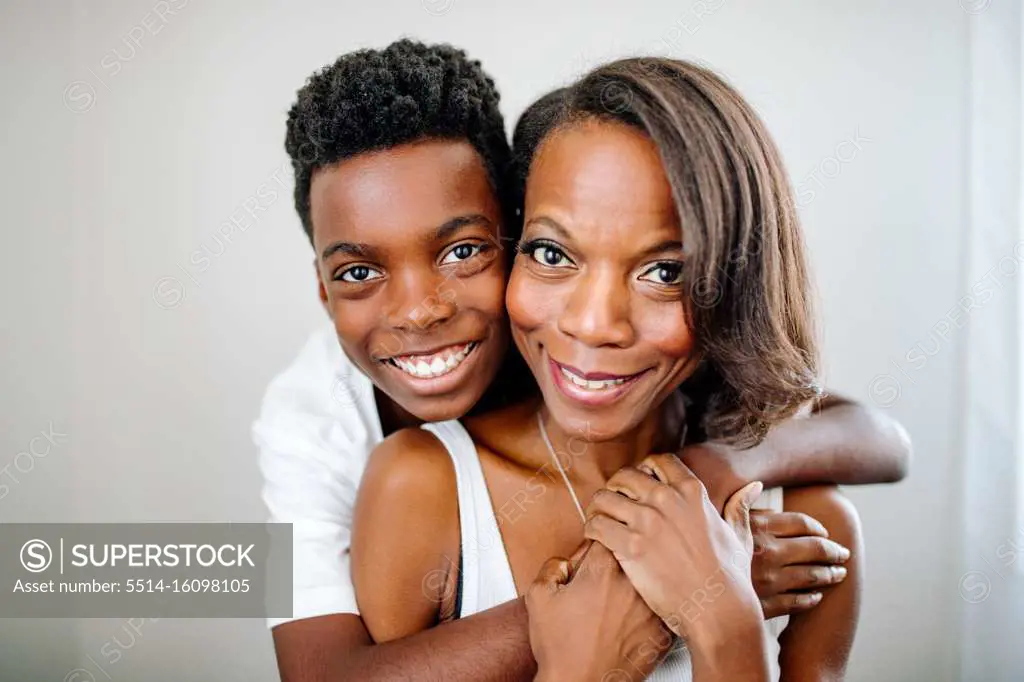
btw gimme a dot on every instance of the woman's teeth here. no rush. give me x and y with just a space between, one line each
590 385
439 364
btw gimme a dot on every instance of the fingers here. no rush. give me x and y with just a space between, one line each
597 560
633 483
786 604
553 574
577 557
808 550
613 505
786 524
611 534
806 577
737 511
670 470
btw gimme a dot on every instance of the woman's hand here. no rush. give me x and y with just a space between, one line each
587 622
793 557
691 566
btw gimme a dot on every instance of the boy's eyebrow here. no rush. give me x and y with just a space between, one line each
452 226
350 248
444 231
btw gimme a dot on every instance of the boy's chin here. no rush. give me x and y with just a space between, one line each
440 409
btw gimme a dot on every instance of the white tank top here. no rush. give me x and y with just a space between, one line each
486 573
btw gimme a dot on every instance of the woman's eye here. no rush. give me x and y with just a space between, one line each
551 256
462 252
359 274
666 274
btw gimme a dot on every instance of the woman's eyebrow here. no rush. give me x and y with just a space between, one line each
552 223
667 245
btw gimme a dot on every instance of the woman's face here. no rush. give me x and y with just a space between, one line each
594 299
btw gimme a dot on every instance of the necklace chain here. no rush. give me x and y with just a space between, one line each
558 464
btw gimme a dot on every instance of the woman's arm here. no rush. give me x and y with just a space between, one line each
405 535
816 644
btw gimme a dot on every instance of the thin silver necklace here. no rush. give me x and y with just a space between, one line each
558 465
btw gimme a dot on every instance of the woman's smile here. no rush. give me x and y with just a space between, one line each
593 388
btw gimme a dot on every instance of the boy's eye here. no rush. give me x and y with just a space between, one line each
358 274
667 274
461 252
551 256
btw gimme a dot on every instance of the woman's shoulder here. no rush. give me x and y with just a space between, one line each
405 527
410 464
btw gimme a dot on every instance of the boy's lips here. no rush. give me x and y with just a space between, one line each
437 371
434 363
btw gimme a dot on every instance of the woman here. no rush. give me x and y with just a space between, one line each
652 186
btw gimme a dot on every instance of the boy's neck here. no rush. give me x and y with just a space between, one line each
392 416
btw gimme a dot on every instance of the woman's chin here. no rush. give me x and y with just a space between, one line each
591 427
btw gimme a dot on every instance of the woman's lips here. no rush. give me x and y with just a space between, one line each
593 388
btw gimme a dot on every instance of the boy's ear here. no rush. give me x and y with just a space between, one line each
321 290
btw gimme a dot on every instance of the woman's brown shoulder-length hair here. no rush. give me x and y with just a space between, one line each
744 267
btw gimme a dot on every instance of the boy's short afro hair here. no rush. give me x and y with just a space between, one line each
371 100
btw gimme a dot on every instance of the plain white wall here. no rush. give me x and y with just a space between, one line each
123 160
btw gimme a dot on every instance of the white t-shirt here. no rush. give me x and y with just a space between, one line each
316 429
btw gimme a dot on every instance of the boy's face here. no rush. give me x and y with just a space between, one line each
410 271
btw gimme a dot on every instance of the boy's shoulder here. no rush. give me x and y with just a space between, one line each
320 382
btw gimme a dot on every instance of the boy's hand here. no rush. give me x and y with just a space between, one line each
793 560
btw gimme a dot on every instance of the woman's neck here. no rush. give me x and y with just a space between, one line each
591 459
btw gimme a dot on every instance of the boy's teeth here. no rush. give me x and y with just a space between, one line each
440 364
590 385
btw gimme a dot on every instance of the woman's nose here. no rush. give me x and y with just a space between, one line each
597 311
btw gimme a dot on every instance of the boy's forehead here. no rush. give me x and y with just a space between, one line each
401 191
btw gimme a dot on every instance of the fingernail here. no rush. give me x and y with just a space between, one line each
813 598
844 553
838 573
755 491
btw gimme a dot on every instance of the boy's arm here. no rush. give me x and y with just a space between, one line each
491 646
842 442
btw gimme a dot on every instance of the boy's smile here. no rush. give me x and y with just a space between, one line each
411 272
